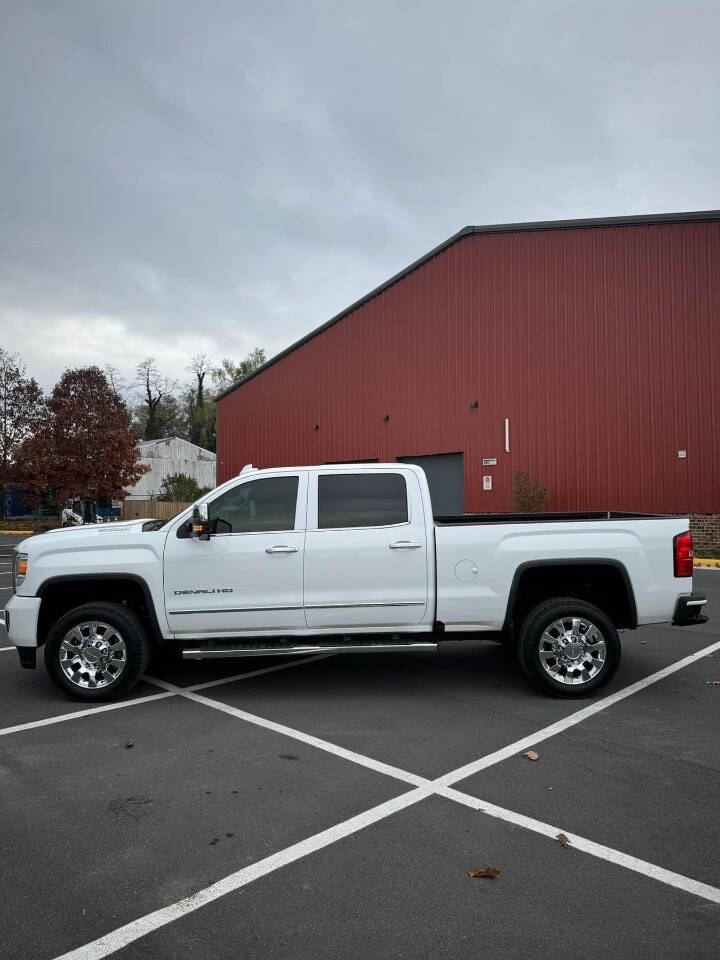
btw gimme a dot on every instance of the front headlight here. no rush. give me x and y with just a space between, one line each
21 566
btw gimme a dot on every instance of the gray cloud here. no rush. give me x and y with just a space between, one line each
181 177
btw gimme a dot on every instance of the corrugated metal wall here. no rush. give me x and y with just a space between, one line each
601 344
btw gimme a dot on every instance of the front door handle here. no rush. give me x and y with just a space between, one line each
281 548
405 545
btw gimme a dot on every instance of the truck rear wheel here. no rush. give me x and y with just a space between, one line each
97 651
569 647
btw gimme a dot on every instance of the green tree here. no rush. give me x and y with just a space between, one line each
181 488
229 372
167 419
153 389
200 424
199 409
22 410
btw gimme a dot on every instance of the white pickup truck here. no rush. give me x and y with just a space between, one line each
345 558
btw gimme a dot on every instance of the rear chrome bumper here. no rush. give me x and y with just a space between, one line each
689 610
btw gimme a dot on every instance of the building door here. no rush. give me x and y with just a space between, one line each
446 479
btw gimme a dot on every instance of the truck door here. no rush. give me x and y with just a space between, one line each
248 576
365 550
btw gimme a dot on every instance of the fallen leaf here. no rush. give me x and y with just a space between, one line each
562 839
531 755
490 872
129 744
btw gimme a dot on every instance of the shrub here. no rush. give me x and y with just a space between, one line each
528 494
181 488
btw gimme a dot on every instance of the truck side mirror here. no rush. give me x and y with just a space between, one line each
200 522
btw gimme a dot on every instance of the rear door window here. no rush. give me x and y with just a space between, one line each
361 500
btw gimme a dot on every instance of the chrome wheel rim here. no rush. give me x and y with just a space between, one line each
572 650
92 654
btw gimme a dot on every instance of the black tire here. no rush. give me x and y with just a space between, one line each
530 636
121 619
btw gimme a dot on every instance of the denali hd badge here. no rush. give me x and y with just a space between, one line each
184 593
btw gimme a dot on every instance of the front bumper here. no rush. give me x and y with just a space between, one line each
689 610
21 620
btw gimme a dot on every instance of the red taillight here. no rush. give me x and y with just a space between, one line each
683 554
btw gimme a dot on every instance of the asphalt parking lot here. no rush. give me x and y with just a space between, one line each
331 808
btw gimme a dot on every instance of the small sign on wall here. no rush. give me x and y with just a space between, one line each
489 461
487 483
682 454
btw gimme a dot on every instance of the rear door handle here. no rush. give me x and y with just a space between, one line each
281 548
405 545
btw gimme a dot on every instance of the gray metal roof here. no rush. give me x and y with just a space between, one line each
649 218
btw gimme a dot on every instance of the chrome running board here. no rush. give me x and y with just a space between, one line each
249 650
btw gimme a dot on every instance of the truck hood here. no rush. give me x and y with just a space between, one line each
106 527
90 531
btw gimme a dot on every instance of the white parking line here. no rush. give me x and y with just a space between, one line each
455 775
519 745
132 931
325 745
104 708
117 939
687 884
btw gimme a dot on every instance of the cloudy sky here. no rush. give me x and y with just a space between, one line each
180 177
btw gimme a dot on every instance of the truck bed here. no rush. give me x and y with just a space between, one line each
480 556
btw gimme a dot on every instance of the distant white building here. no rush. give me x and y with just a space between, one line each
168 456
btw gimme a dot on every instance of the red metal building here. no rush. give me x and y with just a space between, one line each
596 341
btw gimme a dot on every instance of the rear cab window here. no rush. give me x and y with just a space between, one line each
361 500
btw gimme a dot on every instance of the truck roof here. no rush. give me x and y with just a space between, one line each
348 467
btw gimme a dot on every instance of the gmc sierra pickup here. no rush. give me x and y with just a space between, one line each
345 558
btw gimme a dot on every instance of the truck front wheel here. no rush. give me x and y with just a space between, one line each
97 651
569 647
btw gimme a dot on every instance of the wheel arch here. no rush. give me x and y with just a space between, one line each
604 583
60 594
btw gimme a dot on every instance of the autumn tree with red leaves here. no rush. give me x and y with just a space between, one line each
85 448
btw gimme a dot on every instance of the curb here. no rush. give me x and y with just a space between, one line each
16 533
